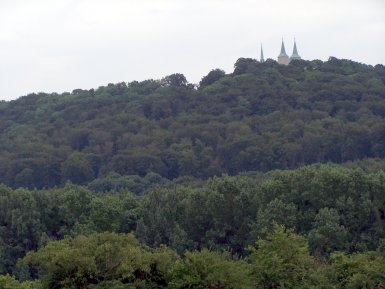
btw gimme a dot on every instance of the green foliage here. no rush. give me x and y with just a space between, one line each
245 65
77 168
176 79
261 117
212 270
165 141
100 259
277 212
20 225
134 183
218 217
9 282
212 77
29 219
337 208
162 210
333 204
110 260
365 270
327 235
282 261
229 203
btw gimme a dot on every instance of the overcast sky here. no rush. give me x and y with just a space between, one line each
61 45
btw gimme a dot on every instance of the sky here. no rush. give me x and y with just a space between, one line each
62 45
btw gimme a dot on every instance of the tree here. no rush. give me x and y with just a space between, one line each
244 65
230 208
277 212
101 260
365 270
114 213
176 79
327 235
79 139
74 206
160 224
212 77
211 270
261 117
21 226
77 168
9 282
282 261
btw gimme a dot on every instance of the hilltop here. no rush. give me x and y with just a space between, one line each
261 117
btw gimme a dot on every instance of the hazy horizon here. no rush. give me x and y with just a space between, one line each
68 44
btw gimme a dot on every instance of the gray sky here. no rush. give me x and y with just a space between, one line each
61 45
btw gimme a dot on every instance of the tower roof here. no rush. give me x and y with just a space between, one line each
283 51
295 54
262 58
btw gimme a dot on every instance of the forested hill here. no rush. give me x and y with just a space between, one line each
261 117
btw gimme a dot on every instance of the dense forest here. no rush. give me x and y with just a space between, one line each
319 226
269 177
262 117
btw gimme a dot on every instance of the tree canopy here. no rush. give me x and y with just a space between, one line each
268 177
261 117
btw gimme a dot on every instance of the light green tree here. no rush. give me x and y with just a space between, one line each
282 261
363 270
9 282
100 259
205 269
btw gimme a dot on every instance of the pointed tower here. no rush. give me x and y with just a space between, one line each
262 58
295 55
283 58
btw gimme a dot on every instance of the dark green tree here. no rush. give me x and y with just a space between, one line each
77 168
212 77
328 234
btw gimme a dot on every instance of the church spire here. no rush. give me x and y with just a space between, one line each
283 51
295 55
283 58
262 58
